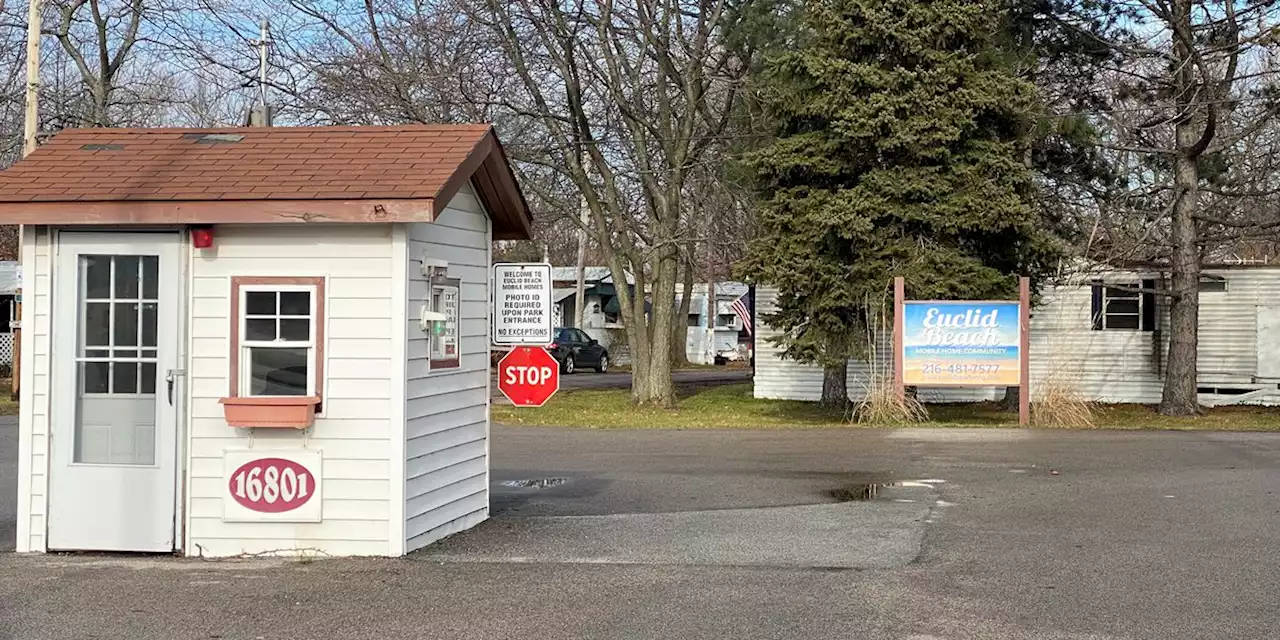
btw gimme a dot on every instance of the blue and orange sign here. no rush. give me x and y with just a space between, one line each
952 344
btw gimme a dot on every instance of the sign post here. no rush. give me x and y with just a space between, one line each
963 343
528 376
522 304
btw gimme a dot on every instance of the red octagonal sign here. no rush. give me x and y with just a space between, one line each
528 376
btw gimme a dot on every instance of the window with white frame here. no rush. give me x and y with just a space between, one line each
445 339
1125 306
1121 308
280 336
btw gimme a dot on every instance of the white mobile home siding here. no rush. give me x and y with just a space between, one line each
354 432
1104 366
782 379
33 415
447 411
1127 366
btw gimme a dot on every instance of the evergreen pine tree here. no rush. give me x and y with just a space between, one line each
901 148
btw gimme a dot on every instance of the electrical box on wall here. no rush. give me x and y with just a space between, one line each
432 267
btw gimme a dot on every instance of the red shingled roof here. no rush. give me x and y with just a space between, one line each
188 176
266 163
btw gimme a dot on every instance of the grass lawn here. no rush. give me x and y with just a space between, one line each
8 407
731 406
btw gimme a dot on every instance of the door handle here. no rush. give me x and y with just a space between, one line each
169 377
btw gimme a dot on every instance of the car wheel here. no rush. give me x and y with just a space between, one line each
603 367
569 365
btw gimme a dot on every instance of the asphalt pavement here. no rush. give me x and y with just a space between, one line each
1035 534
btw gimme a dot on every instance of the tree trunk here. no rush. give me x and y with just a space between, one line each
835 385
1179 396
651 385
1011 397
680 325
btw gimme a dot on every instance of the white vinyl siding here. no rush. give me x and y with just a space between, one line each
784 379
355 430
33 415
1102 366
447 411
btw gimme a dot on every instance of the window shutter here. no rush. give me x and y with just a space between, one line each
1148 306
1096 307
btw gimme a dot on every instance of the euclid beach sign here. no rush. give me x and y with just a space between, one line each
947 344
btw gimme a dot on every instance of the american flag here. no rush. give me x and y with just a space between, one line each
740 308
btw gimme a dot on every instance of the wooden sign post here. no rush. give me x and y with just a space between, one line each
963 343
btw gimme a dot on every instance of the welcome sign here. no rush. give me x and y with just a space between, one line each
950 344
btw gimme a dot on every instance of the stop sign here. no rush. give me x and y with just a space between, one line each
528 376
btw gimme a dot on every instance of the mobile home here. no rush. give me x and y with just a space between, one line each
1101 335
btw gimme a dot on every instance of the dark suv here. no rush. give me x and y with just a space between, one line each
573 348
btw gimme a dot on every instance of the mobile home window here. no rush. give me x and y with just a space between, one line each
1122 309
1213 284
724 320
1124 306
278 336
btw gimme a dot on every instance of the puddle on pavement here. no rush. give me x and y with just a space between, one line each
533 483
860 492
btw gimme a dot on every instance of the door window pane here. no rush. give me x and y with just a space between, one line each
128 277
94 376
151 277
97 277
97 324
126 324
149 323
124 377
148 382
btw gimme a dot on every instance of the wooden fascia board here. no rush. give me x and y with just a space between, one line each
217 211
497 189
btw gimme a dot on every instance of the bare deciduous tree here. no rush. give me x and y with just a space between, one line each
630 97
1189 129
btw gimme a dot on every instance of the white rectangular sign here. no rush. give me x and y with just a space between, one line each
522 304
271 485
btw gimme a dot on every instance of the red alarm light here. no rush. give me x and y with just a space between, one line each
202 237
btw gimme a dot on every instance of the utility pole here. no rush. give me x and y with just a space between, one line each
31 123
580 297
260 115
30 129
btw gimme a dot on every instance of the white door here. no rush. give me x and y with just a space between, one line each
115 337
1268 341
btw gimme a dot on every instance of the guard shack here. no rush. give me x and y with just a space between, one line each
257 340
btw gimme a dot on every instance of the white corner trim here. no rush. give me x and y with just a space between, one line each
400 265
488 379
26 410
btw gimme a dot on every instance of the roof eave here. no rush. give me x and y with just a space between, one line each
497 188
78 212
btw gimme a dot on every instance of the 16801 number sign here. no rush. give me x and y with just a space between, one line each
271 485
